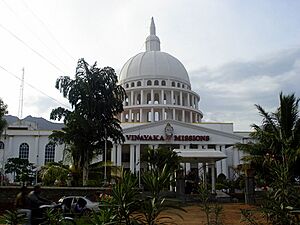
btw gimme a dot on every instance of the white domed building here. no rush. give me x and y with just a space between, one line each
161 109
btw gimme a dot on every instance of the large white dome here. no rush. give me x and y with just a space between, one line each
154 65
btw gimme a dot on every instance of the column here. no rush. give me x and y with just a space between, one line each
113 155
130 116
163 117
191 117
188 168
224 162
172 97
131 98
180 94
119 155
219 167
142 97
199 171
36 148
174 114
132 163
204 173
188 100
152 96
162 97
183 115
152 115
213 178
141 115
10 149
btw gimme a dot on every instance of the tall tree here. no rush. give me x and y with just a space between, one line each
22 169
277 138
275 157
96 99
3 111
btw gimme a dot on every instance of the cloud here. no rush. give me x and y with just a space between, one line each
41 106
229 92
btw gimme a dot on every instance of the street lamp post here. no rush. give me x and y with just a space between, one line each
105 152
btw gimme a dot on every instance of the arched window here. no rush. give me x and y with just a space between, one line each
49 153
163 83
183 86
139 83
156 83
127 85
132 84
173 84
178 84
1 145
149 83
24 151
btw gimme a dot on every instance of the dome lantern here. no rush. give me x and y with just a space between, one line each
152 41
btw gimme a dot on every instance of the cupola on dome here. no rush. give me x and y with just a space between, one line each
153 64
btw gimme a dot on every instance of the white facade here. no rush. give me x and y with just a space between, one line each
24 139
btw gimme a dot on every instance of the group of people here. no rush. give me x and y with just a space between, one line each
29 203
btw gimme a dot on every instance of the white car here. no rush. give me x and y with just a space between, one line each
78 204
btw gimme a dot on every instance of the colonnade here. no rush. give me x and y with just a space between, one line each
150 104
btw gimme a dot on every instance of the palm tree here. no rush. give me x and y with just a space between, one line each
277 138
274 155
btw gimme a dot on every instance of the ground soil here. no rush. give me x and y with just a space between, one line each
231 214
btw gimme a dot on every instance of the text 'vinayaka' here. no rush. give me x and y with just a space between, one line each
147 137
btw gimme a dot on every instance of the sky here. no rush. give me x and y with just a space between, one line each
238 53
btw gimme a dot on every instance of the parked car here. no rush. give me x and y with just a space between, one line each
78 205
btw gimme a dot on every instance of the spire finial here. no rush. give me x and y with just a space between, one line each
152 41
152 27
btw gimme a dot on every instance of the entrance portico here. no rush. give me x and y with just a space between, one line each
198 144
202 159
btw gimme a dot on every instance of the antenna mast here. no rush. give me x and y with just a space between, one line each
20 110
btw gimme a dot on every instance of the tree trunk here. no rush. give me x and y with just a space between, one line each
85 169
